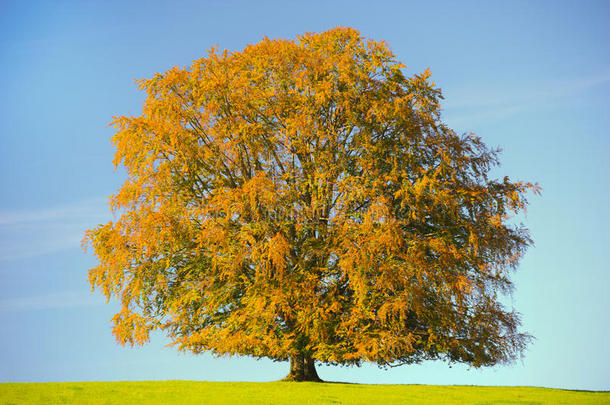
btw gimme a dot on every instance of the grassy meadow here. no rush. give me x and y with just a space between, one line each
192 392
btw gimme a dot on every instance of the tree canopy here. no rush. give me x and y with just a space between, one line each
302 200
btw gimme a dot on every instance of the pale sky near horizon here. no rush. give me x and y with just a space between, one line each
530 77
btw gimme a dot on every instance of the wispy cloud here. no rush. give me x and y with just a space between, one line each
64 299
476 105
27 233
81 209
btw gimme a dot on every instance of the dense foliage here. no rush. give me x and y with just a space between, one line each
302 200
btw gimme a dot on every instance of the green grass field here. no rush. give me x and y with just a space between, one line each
192 392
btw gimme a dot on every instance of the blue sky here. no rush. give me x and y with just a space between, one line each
532 78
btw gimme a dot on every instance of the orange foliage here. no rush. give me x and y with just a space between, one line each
303 198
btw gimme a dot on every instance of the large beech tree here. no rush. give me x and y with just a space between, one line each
301 200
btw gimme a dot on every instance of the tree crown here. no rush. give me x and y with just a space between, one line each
302 197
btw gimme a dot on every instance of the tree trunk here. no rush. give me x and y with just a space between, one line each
302 368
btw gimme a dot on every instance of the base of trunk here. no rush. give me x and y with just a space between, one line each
302 368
